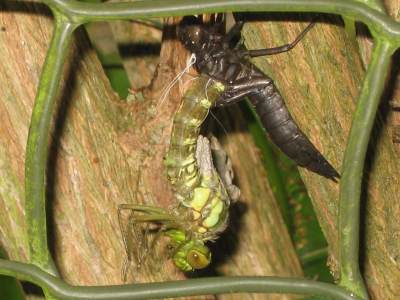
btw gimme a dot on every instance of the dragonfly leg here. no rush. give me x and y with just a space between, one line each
127 238
140 214
236 91
234 97
247 84
234 31
276 50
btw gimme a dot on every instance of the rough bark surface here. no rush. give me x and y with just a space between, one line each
393 120
320 79
105 152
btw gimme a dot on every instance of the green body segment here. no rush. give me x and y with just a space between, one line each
201 194
202 206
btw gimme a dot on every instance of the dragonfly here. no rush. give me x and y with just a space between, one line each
202 202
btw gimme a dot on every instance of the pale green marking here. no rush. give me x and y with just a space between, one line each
191 159
219 86
218 208
190 182
211 221
192 122
200 197
190 141
191 168
213 218
205 103
196 215
196 122
214 201
190 174
187 161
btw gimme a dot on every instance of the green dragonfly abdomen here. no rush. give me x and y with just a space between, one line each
201 211
180 160
197 185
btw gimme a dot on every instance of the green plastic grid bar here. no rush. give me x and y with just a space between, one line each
70 14
200 286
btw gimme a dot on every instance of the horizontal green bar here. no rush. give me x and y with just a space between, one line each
82 12
200 286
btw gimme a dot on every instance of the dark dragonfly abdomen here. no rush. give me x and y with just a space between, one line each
285 133
215 58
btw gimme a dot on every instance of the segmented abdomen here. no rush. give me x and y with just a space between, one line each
282 129
198 187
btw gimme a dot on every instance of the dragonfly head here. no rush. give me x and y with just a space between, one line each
191 34
190 254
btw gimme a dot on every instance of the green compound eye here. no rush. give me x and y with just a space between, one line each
199 259
190 254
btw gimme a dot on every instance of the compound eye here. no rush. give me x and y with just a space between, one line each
196 34
198 260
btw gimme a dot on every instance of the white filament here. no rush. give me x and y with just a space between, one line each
190 62
206 88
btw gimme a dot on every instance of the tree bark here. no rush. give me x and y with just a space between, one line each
105 152
320 79
393 107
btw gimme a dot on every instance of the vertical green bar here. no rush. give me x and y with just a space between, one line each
37 145
353 166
